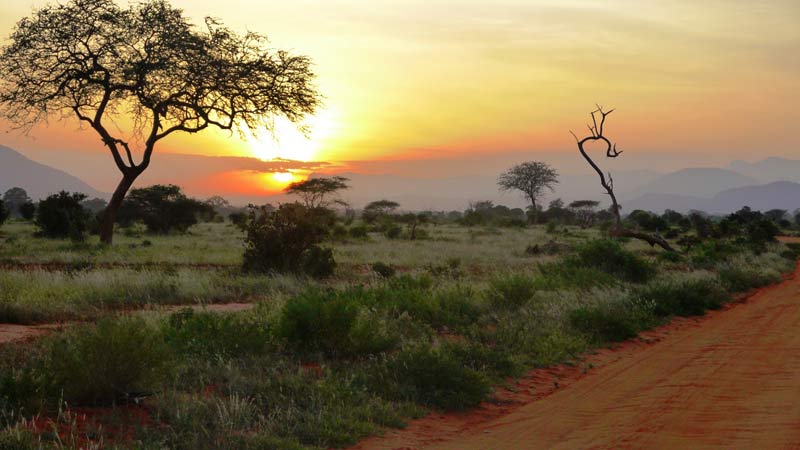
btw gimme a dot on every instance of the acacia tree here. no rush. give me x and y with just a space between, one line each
318 192
137 75
597 129
531 178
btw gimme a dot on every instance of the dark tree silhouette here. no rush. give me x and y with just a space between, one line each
148 71
14 198
531 178
318 192
597 129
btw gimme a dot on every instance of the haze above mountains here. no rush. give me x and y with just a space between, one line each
766 184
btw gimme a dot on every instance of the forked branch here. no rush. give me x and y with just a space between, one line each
597 130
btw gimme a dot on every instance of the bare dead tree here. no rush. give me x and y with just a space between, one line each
597 129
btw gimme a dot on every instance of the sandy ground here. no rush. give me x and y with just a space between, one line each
730 380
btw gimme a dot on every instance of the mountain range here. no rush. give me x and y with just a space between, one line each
766 184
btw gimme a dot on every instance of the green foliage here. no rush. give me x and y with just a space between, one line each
328 322
358 232
610 257
162 208
208 333
434 377
318 262
684 297
116 360
18 438
737 278
613 321
568 275
62 216
511 291
286 240
393 231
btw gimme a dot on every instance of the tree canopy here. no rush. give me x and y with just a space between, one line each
137 75
530 178
318 192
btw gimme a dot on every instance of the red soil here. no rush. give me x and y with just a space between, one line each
728 380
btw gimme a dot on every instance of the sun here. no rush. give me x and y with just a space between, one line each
288 142
283 177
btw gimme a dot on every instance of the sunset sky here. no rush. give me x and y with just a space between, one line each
442 80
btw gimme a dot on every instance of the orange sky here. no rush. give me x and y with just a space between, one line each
428 79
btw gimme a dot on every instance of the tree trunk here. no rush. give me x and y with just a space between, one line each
535 212
110 214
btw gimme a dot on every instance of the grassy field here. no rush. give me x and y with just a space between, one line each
320 364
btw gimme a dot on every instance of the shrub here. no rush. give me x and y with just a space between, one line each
394 231
686 297
27 210
318 262
568 275
611 322
210 333
4 213
117 359
162 208
358 232
511 291
329 322
742 279
435 377
62 216
286 240
670 257
610 257
384 270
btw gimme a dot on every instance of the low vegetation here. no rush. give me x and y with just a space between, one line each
354 324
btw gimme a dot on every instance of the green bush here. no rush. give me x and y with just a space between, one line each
318 262
287 240
116 360
611 322
208 333
329 322
611 257
434 377
708 253
567 275
742 279
394 232
688 297
62 216
358 232
511 291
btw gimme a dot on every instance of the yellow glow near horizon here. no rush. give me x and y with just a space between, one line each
288 141
283 177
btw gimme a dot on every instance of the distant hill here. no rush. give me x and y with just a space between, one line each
777 195
770 169
37 179
695 182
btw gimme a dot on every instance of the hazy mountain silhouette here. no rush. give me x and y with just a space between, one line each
695 182
37 179
777 195
770 169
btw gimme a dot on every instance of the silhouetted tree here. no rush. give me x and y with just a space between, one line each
147 66
530 178
378 209
62 215
584 211
162 208
14 198
596 128
4 213
27 210
318 192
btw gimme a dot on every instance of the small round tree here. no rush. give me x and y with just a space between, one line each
318 192
146 70
530 178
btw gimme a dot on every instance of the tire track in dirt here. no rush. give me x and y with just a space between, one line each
729 380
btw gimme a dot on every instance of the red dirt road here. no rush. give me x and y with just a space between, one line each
730 380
